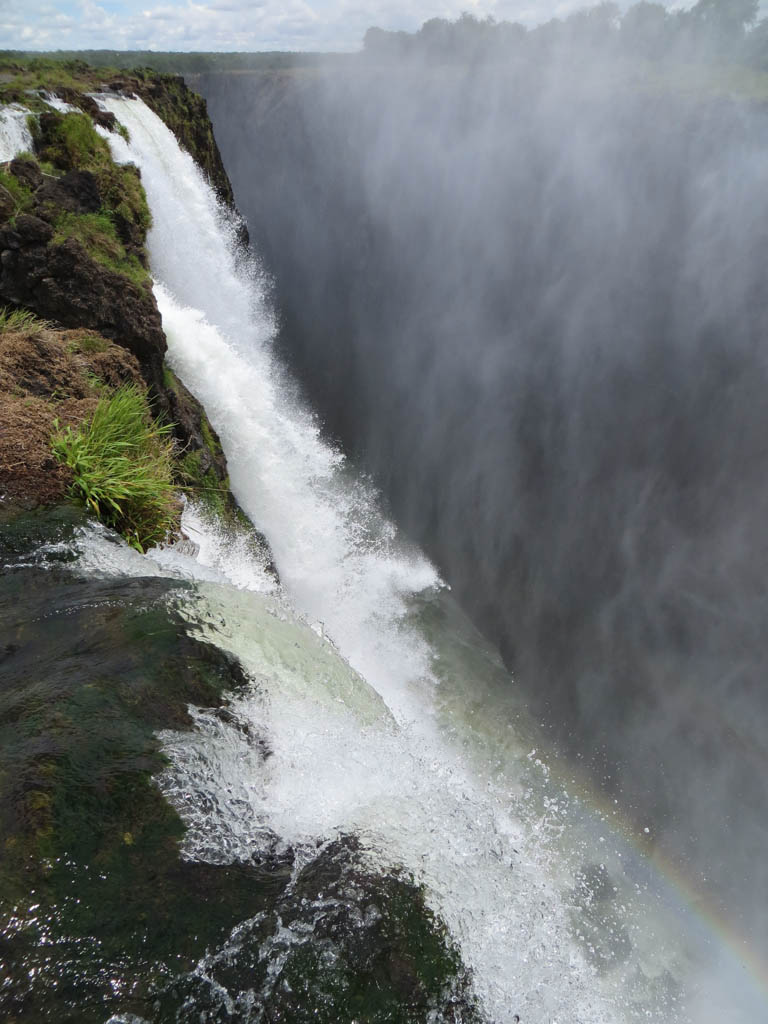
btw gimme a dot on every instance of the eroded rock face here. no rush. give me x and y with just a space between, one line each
62 282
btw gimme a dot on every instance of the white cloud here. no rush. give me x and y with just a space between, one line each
240 24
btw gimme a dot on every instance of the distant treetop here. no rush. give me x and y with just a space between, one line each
710 30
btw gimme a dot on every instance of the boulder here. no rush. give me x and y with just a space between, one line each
76 192
27 172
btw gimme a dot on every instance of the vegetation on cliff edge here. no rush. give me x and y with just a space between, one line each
26 79
121 463
69 212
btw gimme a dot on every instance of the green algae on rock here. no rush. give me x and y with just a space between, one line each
96 906
99 912
346 943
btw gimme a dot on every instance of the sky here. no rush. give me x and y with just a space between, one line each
241 24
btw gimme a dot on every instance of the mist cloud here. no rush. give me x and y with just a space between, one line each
529 299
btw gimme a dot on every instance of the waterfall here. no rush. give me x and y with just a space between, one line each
15 136
396 723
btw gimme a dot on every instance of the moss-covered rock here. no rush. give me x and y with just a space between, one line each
72 242
99 913
186 114
346 943
184 111
96 906
69 142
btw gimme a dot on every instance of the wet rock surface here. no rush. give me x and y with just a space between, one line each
344 942
96 905
99 913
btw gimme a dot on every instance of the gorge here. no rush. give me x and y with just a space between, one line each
528 301
376 821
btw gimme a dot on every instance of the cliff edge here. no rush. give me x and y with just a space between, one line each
80 318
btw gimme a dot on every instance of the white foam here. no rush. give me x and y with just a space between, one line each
59 104
15 136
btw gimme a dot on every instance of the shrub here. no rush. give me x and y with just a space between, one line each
121 464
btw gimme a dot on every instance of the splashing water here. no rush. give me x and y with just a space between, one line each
395 723
15 136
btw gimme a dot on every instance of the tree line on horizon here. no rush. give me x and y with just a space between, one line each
710 29
172 61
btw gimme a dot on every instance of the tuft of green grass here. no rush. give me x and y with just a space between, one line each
21 321
121 461
98 234
72 142
88 343
21 196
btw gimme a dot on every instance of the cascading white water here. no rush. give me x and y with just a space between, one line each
423 749
15 136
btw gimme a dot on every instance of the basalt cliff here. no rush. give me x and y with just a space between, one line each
73 227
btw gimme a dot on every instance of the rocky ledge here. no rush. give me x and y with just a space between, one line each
73 227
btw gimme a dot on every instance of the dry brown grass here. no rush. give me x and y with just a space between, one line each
46 375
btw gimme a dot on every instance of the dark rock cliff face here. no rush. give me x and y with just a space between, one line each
46 267
186 114
62 282
536 314
72 251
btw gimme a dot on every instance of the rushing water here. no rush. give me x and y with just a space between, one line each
14 133
385 716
